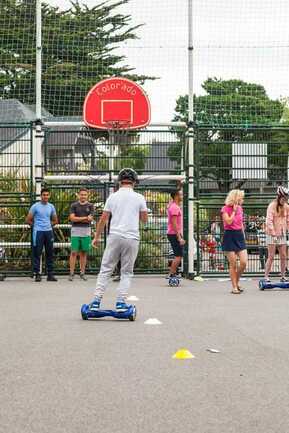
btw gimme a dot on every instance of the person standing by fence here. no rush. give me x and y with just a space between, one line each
175 229
41 217
81 216
234 245
277 224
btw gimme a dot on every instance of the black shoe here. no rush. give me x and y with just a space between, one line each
83 276
38 278
71 277
51 277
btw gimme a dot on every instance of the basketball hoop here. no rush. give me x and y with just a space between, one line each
116 103
117 128
117 106
119 125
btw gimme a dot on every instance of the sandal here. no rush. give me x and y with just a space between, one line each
240 289
235 292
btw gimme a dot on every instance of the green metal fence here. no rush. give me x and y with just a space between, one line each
86 151
211 259
154 247
16 194
254 159
80 151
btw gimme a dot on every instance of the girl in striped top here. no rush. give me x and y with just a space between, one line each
277 224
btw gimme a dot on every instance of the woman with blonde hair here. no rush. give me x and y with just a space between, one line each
277 224
234 245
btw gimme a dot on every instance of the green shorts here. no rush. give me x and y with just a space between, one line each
79 243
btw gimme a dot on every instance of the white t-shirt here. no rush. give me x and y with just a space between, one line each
125 206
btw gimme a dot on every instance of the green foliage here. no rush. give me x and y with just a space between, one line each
133 156
151 257
157 202
227 109
79 49
231 102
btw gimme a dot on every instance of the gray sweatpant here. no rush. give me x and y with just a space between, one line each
117 248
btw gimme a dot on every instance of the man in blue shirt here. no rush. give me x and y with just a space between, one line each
42 216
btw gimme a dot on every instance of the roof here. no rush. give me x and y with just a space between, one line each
14 112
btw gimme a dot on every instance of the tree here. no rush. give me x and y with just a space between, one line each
222 116
79 49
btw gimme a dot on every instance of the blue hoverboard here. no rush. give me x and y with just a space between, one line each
129 314
174 281
264 285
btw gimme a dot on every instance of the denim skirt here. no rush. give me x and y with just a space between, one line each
233 240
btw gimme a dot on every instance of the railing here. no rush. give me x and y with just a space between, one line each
82 151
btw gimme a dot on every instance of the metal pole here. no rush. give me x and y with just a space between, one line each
38 58
190 144
38 135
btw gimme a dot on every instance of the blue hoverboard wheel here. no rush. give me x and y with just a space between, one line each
174 281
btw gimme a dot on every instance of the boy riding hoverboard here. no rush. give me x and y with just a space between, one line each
125 208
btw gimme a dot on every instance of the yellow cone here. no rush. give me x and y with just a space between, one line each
183 354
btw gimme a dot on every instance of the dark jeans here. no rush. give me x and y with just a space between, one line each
43 239
263 256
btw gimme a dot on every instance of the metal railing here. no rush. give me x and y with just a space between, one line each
81 151
254 159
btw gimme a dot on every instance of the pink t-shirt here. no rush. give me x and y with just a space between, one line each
237 223
174 210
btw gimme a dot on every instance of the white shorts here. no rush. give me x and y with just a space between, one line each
276 240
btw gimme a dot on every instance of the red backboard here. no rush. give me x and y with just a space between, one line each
116 101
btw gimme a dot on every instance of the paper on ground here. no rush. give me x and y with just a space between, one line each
152 321
213 351
133 298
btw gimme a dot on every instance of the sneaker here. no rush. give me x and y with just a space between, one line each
116 279
38 278
94 305
71 277
51 277
267 280
83 276
121 307
283 280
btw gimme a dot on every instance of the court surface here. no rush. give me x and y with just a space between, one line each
61 374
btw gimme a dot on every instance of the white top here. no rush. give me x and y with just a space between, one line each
125 206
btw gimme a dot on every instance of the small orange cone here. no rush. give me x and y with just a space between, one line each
183 354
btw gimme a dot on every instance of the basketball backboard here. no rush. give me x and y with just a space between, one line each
116 101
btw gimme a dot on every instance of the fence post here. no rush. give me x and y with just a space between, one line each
191 230
38 59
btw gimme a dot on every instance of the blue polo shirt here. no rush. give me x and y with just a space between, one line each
42 214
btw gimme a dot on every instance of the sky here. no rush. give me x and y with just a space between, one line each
245 39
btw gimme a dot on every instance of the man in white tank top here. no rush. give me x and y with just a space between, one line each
125 209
